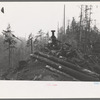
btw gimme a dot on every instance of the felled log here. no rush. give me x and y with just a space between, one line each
67 64
74 73
96 67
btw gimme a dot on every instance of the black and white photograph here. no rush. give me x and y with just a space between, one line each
50 41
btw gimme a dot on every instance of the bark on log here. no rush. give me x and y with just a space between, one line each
73 73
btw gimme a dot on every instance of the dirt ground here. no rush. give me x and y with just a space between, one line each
38 71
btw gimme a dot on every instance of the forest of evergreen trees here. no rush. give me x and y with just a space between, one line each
83 38
15 49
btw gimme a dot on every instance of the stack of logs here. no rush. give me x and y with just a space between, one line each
71 69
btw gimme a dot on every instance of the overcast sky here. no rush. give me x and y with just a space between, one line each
27 17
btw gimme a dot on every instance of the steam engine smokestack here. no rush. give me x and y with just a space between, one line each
53 31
